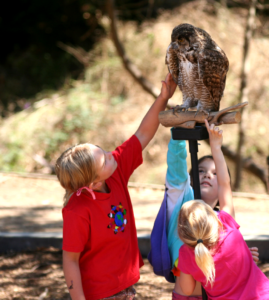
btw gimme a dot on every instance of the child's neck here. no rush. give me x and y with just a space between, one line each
104 188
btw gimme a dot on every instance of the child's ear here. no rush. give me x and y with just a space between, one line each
95 185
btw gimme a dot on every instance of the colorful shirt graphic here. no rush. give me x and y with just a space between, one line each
117 217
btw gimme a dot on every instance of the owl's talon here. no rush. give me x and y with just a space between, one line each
178 108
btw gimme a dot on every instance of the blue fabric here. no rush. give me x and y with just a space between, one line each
165 243
176 163
159 256
174 242
177 177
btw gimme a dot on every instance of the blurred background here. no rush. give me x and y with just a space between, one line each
66 77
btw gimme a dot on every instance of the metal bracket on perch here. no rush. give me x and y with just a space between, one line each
189 119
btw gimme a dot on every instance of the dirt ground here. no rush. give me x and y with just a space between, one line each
38 275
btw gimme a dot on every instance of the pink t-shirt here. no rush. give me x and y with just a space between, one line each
237 275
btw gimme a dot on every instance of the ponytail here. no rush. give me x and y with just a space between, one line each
205 262
198 227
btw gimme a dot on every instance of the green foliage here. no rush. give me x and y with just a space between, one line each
49 127
116 100
9 160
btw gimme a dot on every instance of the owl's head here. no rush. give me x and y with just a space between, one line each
185 36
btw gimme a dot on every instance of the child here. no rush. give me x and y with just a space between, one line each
165 243
101 259
214 251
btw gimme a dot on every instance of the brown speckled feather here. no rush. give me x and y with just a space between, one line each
198 66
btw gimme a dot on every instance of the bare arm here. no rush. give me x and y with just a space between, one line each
72 275
150 123
186 283
224 184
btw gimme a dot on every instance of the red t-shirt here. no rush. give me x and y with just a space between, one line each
237 275
104 231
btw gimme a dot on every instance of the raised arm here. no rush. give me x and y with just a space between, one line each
150 123
176 163
223 178
176 175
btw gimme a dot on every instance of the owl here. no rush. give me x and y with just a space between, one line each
198 66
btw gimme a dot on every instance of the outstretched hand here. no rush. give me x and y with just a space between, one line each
215 135
168 87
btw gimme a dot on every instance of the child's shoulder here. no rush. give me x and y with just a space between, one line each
77 204
227 220
131 143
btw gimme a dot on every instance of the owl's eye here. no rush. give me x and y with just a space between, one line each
181 40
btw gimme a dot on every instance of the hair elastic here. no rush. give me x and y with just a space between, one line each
89 190
199 241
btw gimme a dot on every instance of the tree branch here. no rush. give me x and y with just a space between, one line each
79 53
129 66
248 164
243 93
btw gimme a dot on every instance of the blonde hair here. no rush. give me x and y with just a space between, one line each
75 168
198 221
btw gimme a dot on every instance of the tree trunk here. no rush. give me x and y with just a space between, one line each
243 94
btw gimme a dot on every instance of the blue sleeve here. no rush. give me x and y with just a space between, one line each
176 163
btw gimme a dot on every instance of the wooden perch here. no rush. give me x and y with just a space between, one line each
188 119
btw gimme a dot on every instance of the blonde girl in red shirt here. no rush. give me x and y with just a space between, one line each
101 259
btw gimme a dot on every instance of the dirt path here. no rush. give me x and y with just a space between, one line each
38 275
31 275
34 204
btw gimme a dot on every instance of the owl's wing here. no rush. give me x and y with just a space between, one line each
213 67
171 60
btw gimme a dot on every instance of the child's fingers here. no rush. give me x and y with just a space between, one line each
212 129
254 249
168 77
209 128
255 255
212 126
164 85
206 125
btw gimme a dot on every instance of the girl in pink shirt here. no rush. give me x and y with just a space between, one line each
214 251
